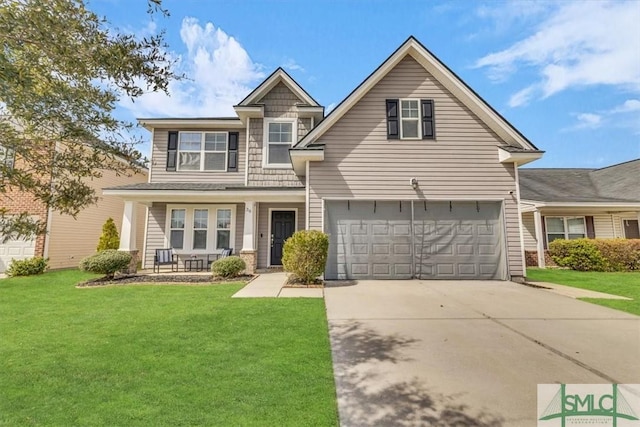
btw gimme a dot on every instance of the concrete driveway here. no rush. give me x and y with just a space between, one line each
415 353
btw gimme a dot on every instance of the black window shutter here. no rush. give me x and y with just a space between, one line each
544 232
392 119
172 151
428 128
591 230
232 163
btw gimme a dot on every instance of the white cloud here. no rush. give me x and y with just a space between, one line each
219 73
589 120
579 44
521 97
628 106
291 64
329 108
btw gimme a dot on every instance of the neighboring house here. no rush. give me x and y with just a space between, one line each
67 239
578 203
412 175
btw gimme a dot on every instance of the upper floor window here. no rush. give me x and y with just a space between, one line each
279 137
202 151
565 228
7 157
410 119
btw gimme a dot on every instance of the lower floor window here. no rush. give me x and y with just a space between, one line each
565 228
202 228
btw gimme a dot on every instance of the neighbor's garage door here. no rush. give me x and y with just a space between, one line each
15 249
377 240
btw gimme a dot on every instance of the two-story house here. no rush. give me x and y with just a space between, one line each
412 175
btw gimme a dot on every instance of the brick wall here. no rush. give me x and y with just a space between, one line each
531 258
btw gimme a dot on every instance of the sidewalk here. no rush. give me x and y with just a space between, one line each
269 285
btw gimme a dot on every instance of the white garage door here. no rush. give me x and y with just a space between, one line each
15 249
378 240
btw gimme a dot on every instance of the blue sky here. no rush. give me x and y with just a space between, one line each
566 74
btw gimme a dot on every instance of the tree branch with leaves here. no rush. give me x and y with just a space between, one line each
62 71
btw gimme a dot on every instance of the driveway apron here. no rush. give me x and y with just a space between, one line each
468 353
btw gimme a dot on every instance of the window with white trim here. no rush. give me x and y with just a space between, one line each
200 227
7 157
410 119
176 235
565 227
223 228
202 151
279 137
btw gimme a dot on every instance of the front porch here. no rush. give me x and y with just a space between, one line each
199 230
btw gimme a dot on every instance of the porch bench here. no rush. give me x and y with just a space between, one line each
165 257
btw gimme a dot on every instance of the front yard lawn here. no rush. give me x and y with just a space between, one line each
623 284
160 355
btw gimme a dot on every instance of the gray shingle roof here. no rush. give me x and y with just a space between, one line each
196 186
617 183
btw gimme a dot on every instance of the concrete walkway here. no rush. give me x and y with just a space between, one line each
572 292
269 285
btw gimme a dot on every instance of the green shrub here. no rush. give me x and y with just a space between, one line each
106 262
226 267
577 254
109 239
305 254
27 267
621 254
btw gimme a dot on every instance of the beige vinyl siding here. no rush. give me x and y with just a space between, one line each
156 236
603 226
72 239
461 163
529 231
280 102
264 238
159 171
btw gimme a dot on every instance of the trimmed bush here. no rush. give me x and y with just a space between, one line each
621 254
27 267
597 254
227 267
109 239
106 262
305 254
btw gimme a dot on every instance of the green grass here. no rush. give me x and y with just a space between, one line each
623 284
160 355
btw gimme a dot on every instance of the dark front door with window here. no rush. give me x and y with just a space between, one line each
283 225
631 229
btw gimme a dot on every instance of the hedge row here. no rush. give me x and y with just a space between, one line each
597 254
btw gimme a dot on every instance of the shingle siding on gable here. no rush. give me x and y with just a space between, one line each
280 102
461 163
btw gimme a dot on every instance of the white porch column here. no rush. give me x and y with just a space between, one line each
248 252
128 230
128 234
537 219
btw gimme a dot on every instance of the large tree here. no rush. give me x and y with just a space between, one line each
63 69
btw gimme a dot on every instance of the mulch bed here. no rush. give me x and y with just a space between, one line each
174 279
294 282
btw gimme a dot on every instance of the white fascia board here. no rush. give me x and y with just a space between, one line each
299 158
182 196
251 111
271 82
520 158
150 124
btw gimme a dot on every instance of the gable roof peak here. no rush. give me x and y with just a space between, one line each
412 46
277 76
